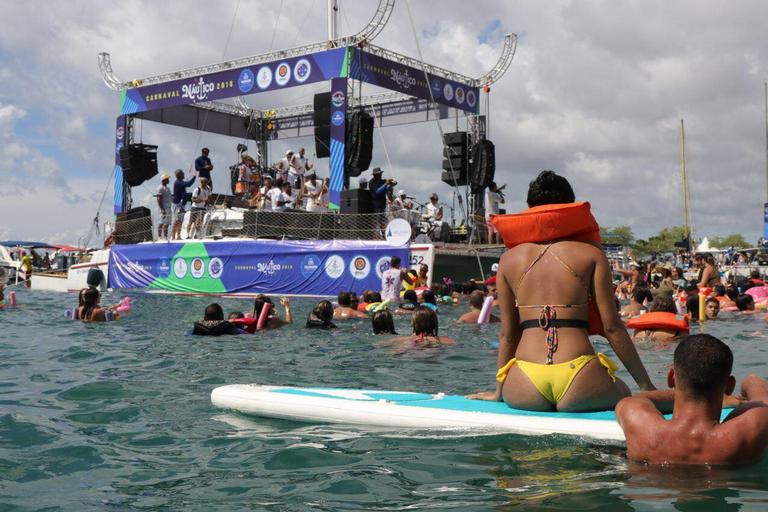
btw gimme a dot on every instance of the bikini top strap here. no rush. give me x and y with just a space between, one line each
563 264
534 262
573 272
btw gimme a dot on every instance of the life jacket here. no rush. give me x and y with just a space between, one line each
247 324
659 321
757 282
362 307
416 281
706 290
549 223
213 328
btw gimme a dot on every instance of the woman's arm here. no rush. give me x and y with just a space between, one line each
614 328
287 305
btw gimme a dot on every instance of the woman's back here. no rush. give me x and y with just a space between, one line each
558 275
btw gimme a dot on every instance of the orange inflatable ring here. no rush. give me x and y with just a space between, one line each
548 223
659 321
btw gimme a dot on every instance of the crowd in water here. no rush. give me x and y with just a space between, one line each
553 288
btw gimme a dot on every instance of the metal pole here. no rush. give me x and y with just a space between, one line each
766 140
685 179
333 10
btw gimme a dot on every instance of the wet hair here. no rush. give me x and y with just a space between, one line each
641 294
745 302
732 292
410 296
235 314
213 312
429 296
709 259
353 300
394 262
321 315
258 304
691 289
549 188
368 296
375 297
692 307
719 290
344 299
664 303
383 322
90 298
755 274
703 364
424 322
713 301
476 299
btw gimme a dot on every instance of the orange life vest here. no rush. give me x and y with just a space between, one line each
659 321
549 223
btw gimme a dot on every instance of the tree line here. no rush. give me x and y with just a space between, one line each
665 240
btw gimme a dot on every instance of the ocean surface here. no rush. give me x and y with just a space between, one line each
118 417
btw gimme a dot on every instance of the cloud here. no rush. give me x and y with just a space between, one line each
597 90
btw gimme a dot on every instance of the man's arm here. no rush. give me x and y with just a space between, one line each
190 181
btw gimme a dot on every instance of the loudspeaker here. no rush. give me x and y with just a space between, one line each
359 143
322 141
139 163
321 117
448 178
356 201
140 212
455 139
483 165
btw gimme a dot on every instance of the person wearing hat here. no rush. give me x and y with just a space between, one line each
203 166
434 210
180 198
164 201
378 188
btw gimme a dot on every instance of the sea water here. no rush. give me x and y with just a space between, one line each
118 417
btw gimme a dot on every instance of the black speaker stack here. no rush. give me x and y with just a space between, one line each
483 166
322 122
455 159
356 201
139 163
359 142
133 226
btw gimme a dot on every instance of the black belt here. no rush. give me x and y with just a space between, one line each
558 322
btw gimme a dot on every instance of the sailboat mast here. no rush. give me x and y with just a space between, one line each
686 225
766 141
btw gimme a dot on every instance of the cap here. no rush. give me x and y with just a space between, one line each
495 267
289 152
490 280
164 177
401 192
362 180
377 170
433 195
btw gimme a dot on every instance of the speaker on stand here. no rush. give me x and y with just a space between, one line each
321 117
139 163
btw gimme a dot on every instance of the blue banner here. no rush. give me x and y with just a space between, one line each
317 267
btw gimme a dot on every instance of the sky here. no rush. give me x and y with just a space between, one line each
596 92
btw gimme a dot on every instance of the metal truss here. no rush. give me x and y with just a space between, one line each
416 63
105 66
502 65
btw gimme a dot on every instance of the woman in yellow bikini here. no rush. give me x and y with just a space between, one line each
546 361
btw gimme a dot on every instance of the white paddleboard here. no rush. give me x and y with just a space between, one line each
398 409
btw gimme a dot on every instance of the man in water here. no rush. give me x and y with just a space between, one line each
701 380
392 280
712 308
476 299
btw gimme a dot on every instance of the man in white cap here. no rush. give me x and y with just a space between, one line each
164 200
398 203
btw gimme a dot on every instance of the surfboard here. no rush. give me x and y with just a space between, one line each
403 409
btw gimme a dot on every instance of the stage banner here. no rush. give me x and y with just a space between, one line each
267 76
337 165
394 76
317 267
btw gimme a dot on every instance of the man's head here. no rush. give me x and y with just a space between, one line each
712 308
287 188
395 262
268 182
301 152
214 312
745 303
664 303
362 183
401 194
719 290
179 174
433 198
344 299
549 188
288 154
203 182
476 299
377 172
164 179
641 294
423 270
205 151
702 367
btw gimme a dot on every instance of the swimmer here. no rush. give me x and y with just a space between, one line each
747 306
722 296
662 304
213 323
273 320
709 276
425 331
550 284
701 383
428 300
409 304
345 311
476 300
321 316
235 315
712 308
383 322
641 296
492 290
88 309
423 277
